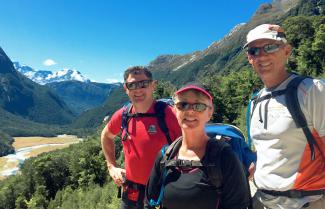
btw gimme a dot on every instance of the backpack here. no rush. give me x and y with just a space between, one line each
292 102
159 113
221 136
233 136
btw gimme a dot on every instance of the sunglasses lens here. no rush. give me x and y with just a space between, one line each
271 48
144 84
199 107
253 51
182 106
268 48
137 84
131 85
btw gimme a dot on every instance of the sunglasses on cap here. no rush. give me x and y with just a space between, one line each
268 49
197 107
138 84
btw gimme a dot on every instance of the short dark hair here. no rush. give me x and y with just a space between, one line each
137 70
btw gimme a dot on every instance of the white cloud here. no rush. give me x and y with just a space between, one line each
49 62
112 80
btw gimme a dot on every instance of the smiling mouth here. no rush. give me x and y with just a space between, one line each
265 64
137 96
189 120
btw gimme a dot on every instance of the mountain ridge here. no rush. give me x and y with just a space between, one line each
221 57
82 96
215 58
21 96
45 76
77 91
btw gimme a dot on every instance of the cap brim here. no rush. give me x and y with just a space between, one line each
192 87
266 38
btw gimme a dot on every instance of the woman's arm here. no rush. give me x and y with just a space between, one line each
235 188
154 183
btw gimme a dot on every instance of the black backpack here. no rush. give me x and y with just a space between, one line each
160 107
214 150
291 97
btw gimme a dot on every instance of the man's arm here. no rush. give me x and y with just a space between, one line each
108 147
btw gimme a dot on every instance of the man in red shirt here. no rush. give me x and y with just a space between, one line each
144 138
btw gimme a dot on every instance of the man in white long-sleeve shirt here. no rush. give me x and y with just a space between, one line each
286 176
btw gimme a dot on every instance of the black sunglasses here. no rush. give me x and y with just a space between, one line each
268 49
138 84
197 107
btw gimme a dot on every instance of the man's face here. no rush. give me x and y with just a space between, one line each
269 66
139 92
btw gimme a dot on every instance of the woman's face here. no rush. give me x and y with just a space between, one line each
193 109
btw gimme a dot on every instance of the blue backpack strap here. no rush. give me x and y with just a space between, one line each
297 114
249 113
160 112
168 151
125 120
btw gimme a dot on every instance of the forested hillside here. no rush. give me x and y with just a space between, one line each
94 117
29 109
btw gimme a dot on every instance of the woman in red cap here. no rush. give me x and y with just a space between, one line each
196 171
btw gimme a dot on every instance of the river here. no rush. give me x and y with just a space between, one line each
24 150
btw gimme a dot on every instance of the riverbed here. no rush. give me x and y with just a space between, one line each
26 147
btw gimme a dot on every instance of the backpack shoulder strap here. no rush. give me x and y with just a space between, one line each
125 120
250 109
170 152
160 107
213 163
256 98
167 152
297 114
293 102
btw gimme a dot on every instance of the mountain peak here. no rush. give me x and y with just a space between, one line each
217 44
43 76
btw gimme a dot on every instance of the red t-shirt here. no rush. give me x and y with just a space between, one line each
145 141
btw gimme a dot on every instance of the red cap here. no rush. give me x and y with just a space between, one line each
194 87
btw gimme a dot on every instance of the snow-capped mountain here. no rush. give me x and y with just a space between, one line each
43 76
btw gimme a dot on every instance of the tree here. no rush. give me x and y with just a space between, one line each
318 46
51 171
298 29
39 200
164 89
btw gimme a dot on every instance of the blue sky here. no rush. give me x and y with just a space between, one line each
101 38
